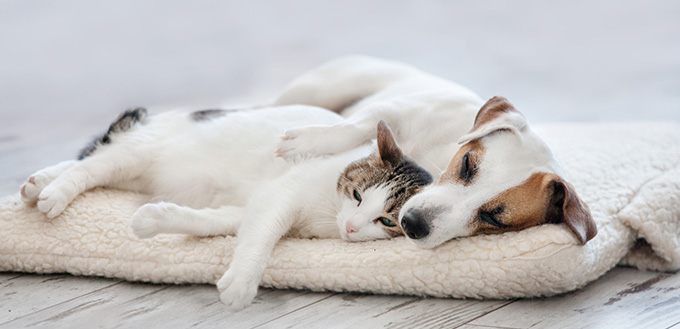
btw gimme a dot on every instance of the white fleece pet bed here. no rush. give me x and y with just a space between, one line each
628 173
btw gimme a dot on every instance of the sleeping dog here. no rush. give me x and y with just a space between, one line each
493 174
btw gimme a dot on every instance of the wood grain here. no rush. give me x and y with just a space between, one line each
357 310
22 295
148 305
623 298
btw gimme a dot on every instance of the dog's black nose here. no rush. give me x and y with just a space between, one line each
414 225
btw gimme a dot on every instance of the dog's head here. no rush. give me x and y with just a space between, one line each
503 178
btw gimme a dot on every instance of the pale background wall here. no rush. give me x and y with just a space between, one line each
68 67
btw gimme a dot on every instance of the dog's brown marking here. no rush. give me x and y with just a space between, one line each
543 198
492 109
452 174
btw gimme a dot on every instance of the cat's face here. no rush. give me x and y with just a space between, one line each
374 189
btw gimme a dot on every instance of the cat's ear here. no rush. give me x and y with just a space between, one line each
389 151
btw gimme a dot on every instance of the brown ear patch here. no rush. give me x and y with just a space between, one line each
543 198
492 109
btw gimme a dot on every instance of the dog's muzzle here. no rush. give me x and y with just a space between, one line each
414 224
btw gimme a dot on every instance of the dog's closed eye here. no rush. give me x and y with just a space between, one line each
491 217
467 168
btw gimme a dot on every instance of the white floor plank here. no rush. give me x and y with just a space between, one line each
151 306
623 298
25 294
473 326
368 311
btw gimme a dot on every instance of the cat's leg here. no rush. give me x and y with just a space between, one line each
115 163
37 182
336 86
316 140
155 218
114 157
264 224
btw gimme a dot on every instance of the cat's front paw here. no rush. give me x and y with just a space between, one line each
52 201
147 220
237 291
315 140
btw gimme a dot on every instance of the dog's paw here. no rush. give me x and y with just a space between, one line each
237 291
147 220
52 201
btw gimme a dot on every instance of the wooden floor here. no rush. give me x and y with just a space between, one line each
624 298
67 68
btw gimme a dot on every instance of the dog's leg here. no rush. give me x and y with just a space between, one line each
154 218
342 82
40 179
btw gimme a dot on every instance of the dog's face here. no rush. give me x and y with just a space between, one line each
503 178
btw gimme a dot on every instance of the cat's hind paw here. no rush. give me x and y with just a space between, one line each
237 291
146 221
52 202
30 191
35 184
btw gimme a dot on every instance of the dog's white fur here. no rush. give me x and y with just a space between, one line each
431 119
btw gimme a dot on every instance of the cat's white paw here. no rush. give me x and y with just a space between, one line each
237 291
32 188
30 191
314 141
52 201
147 220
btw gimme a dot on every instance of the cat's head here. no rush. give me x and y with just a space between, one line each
374 189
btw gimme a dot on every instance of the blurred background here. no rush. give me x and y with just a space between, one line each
67 68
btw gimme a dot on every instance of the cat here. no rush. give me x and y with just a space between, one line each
214 172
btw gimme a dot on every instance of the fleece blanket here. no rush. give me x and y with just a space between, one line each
629 174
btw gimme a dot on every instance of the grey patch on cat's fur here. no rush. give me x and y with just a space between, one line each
206 115
124 122
404 180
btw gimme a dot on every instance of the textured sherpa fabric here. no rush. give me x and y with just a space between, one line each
628 173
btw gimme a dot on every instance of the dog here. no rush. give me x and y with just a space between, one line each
498 175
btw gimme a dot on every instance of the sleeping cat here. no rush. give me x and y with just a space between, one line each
215 173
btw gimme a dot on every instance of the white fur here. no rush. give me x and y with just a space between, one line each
218 177
428 116
354 214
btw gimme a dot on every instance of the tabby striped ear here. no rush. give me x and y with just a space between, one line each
390 153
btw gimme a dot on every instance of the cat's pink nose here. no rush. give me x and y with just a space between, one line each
351 228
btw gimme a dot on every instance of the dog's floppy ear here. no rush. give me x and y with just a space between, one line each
390 153
496 114
564 206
